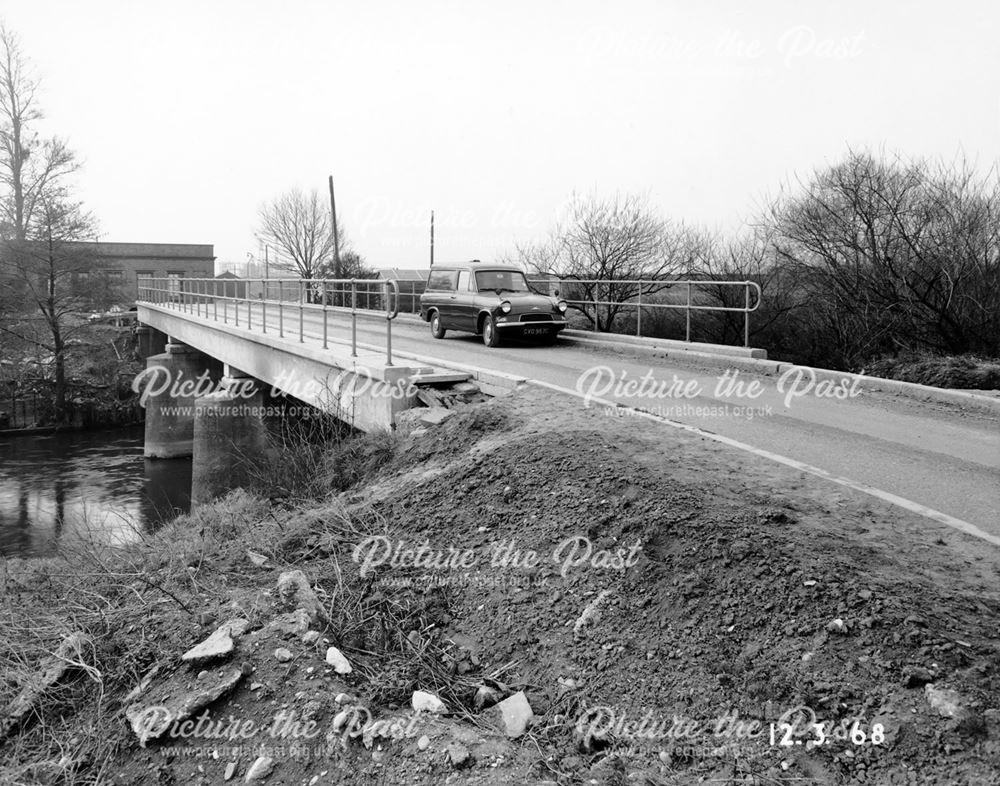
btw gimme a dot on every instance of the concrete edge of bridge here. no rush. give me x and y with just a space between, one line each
665 344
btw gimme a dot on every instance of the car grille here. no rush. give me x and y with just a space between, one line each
536 318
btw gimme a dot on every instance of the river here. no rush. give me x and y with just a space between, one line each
55 488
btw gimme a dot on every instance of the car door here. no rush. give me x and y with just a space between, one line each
465 303
440 294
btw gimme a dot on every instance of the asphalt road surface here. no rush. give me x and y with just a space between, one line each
935 455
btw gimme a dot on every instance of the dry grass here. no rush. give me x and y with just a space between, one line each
140 604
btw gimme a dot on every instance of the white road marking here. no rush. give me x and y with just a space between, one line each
902 502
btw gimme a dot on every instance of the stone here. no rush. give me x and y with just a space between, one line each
283 655
434 416
310 637
294 592
230 771
944 701
591 614
219 644
486 697
422 701
260 769
423 743
257 559
459 755
513 714
837 626
149 723
72 652
291 623
336 659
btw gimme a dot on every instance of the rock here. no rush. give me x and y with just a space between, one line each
336 659
310 637
219 644
230 771
513 714
944 701
422 701
837 626
295 593
423 743
434 416
206 618
342 698
153 721
865 594
459 755
71 653
486 697
257 559
590 614
292 623
282 655
260 769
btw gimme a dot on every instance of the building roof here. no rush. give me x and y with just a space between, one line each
151 250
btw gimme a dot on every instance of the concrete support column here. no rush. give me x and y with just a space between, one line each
229 437
151 341
172 381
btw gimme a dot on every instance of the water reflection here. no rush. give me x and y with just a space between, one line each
95 484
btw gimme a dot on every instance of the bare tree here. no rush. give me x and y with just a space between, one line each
617 241
45 277
30 166
896 255
49 281
299 224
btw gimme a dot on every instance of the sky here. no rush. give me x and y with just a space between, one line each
188 116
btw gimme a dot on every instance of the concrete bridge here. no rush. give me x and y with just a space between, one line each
933 452
215 359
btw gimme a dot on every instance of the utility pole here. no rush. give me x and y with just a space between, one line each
336 233
432 238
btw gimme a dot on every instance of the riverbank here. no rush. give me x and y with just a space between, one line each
661 603
101 362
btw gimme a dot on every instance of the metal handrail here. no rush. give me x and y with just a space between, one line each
655 286
203 296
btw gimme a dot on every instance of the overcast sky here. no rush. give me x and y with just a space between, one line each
189 115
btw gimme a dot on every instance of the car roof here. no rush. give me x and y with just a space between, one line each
475 265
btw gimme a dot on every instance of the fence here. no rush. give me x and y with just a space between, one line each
278 305
615 296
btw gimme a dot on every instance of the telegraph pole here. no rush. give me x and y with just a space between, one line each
432 238
336 233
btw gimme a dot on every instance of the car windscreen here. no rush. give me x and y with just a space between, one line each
509 280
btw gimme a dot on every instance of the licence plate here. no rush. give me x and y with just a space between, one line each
536 331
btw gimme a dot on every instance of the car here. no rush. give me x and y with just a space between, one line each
494 301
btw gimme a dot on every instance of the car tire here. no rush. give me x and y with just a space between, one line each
491 336
436 330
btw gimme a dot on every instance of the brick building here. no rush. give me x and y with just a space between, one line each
124 263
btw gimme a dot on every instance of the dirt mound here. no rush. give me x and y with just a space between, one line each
673 612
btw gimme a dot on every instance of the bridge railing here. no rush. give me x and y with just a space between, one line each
249 302
618 296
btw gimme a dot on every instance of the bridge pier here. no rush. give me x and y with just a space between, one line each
229 437
171 385
151 341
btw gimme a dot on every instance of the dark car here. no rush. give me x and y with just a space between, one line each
494 301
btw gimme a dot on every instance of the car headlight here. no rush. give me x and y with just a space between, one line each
561 305
505 307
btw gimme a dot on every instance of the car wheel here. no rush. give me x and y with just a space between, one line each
436 330
491 336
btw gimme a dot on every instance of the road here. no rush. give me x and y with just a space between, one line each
934 455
